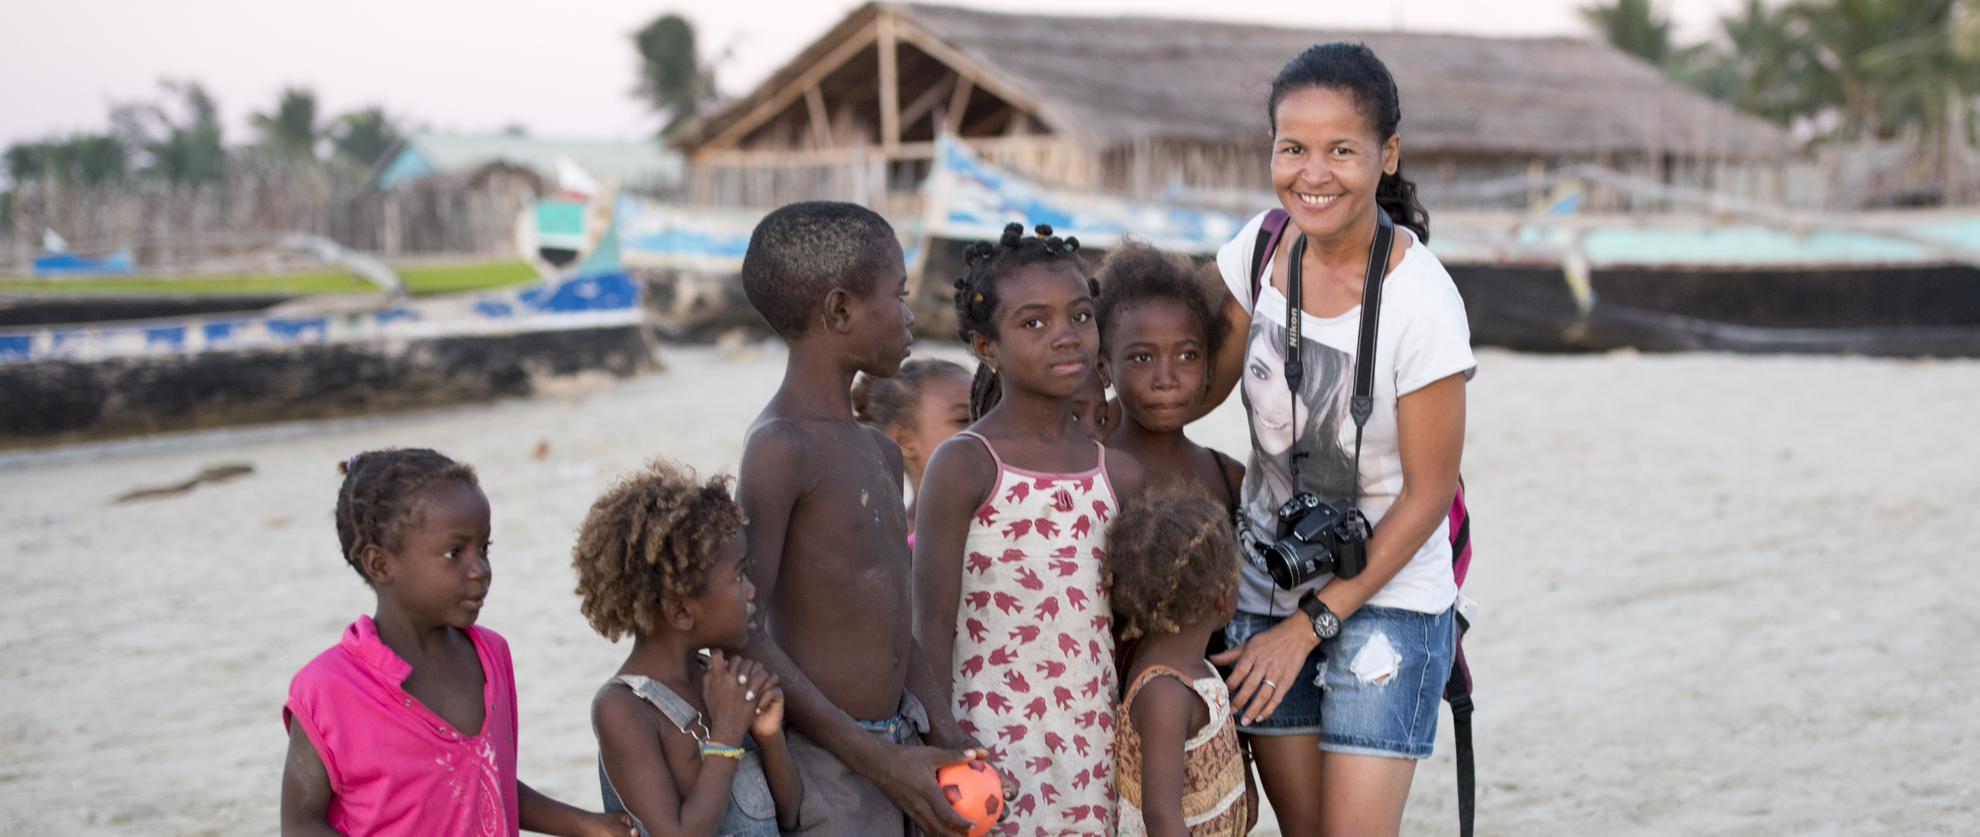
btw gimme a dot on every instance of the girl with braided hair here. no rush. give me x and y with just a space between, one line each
1010 535
1173 583
919 408
408 725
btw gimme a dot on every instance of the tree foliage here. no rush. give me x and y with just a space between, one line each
184 148
364 135
672 77
1633 26
1879 66
86 159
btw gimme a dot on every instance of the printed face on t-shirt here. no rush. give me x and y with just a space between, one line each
1273 413
1282 424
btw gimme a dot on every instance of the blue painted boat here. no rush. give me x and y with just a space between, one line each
320 356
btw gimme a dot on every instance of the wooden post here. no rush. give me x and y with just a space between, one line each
1536 177
821 125
926 102
890 88
959 102
390 233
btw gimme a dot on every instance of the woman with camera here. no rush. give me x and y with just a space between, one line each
1345 633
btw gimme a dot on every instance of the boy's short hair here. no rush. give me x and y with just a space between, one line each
650 540
1169 556
802 251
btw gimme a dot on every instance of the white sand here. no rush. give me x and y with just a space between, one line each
1719 595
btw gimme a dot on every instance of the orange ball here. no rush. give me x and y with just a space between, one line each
975 791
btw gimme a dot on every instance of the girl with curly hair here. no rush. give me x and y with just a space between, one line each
1173 582
660 558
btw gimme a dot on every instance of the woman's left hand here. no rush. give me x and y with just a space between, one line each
1263 668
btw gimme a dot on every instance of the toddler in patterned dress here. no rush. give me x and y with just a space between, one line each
1172 581
1010 539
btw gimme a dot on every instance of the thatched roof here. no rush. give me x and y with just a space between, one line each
1110 81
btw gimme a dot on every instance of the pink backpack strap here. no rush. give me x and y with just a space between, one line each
1270 231
1460 523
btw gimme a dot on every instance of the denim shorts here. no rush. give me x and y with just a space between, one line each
1371 691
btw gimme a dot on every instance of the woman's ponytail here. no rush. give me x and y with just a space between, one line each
1397 196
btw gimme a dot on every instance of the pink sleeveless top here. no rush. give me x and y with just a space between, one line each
1034 658
395 767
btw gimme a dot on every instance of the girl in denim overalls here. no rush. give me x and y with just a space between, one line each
687 745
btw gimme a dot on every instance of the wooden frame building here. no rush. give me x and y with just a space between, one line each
1162 108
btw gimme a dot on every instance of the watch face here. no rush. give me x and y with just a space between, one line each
1326 625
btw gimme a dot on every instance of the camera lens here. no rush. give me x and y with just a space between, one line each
1292 562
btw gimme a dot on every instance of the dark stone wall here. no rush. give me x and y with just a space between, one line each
53 401
40 311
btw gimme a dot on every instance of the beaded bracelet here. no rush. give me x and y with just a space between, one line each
714 748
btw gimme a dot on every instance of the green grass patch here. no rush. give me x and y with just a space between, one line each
467 277
327 282
419 280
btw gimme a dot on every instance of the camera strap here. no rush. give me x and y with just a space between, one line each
1362 404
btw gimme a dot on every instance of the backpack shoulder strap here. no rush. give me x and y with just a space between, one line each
1270 231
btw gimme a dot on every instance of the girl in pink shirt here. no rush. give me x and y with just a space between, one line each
407 726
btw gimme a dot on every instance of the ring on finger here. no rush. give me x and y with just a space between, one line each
1269 684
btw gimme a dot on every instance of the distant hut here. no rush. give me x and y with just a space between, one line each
458 193
1156 108
639 166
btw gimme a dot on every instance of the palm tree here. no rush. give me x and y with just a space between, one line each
1781 76
291 130
190 151
671 77
1891 61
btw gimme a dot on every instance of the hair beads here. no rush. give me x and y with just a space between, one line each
976 291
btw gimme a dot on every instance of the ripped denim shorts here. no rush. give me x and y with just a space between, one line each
1371 691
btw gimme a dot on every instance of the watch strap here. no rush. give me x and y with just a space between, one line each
1311 605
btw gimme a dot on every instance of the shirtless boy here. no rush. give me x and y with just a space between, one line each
827 532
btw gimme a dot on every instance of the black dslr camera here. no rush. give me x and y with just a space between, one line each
1316 538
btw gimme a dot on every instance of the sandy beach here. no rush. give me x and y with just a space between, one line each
1717 594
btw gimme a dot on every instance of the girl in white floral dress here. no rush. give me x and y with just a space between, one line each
1010 536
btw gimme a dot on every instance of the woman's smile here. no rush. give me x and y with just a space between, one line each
1313 201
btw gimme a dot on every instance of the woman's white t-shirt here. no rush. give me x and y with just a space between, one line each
1423 338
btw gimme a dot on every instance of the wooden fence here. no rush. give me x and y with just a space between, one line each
172 228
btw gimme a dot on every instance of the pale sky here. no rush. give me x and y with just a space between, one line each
561 69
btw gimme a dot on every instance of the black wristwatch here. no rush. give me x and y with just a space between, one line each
1326 625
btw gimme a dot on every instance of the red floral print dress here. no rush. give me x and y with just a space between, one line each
1034 656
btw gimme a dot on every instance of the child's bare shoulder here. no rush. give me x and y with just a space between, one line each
776 445
616 705
795 446
966 454
1126 474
